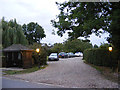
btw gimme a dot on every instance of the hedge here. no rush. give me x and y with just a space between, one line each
101 57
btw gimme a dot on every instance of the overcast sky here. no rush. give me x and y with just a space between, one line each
40 11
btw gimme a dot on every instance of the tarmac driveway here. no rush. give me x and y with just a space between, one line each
70 73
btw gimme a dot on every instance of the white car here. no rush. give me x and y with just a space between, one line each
53 56
79 54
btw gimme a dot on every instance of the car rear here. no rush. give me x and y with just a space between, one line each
62 55
53 56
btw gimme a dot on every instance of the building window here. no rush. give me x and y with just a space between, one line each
19 56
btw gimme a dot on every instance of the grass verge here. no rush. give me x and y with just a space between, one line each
106 72
29 70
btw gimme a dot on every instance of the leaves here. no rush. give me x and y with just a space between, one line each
12 33
75 45
33 32
85 18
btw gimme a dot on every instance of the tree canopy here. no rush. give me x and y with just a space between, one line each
12 33
0 35
95 46
58 47
85 18
75 45
33 32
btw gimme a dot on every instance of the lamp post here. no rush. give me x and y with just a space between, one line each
110 50
38 52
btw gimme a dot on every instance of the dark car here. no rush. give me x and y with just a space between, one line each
53 56
70 54
62 55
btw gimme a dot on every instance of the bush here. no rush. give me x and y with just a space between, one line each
42 55
101 57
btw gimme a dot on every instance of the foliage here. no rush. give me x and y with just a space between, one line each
43 54
83 19
47 48
114 29
69 45
58 47
101 57
76 45
1 47
12 33
104 45
33 32
0 35
95 46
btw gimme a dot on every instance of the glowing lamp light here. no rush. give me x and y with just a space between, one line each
110 49
37 50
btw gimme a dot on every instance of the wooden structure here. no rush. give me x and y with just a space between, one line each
18 55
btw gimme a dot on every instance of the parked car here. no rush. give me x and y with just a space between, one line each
53 56
79 54
70 54
62 55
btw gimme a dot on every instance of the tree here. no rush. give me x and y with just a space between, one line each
104 45
12 33
76 45
114 29
95 46
73 45
0 36
83 19
33 32
69 45
58 47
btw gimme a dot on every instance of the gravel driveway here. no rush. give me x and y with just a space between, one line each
70 73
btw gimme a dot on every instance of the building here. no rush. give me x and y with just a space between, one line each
18 55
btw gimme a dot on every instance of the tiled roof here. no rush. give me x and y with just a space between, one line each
16 47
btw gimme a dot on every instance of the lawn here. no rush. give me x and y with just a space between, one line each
29 70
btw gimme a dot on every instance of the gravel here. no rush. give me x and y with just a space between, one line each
70 73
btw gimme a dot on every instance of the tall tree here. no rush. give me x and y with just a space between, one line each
95 46
76 45
58 47
12 33
0 35
83 19
33 32
69 45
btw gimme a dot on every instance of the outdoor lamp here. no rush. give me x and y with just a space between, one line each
110 48
37 50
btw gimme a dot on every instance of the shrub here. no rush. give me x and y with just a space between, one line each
35 55
43 56
101 57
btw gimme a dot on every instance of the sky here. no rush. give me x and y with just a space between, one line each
40 11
